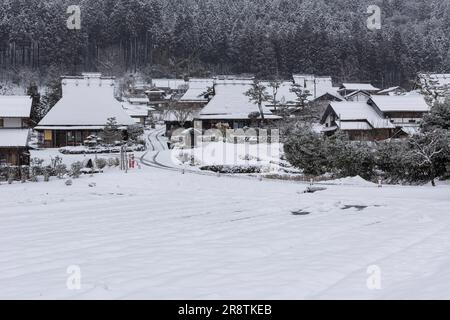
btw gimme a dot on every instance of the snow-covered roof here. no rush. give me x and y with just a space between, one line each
359 86
86 102
173 84
136 110
354 93
437 80
10 138
411 130
15 106
171 116
230 102
74 127
322 92
154 91
354 125
138 100
300 79
359 112
196 88
317 86
414 103
389 90
284 94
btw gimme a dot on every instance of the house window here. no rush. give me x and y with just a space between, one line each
3 158
70 136
1 123
412 121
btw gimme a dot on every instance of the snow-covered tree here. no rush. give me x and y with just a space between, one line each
304 149
439 117
257 94
111 132
301 101
428 155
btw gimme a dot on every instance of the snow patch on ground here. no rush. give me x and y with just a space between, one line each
351 181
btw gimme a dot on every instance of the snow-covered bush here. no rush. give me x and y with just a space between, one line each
305 149
60 170
101 149
12 174
419 159
24 173
347 158
438 118
111 162
135 132
36 169
47 172
101 163
75 171
232 169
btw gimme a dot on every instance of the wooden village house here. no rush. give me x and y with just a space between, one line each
230 107
86 105
319 88
14 130
358 119
357 92
380 118
195 97
405 112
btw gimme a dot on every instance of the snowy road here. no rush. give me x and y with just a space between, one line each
156 141
159 234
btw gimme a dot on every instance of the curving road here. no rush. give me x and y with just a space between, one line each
156 143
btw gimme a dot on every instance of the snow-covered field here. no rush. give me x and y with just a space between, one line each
158 234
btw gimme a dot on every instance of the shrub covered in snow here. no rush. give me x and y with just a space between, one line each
421 158
135 132
101 149
75 171
232 169
305 149
439 117
101 163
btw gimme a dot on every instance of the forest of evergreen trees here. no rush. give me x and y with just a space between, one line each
203 37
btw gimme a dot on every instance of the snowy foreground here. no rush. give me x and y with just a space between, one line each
157 234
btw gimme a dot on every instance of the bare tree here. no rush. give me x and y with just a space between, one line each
179 112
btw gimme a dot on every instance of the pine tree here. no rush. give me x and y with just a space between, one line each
111 132
36 108
52 94
258 95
